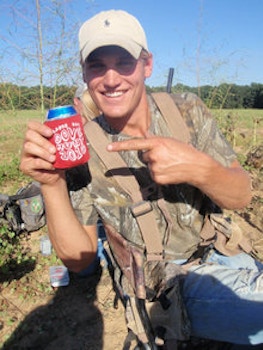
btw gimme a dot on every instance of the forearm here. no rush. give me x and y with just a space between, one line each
229 187
74 244
172 162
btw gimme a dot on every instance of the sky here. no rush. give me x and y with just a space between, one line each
205 41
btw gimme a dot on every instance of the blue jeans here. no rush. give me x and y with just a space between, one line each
224 299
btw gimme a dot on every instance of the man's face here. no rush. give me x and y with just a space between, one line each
116 80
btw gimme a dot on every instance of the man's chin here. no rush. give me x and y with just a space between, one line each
115 113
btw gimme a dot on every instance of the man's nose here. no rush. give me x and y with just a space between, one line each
111 77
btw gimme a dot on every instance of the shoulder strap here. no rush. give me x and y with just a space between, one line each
172 116
141 209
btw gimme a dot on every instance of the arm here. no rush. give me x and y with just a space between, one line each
74 243
229 187
174 162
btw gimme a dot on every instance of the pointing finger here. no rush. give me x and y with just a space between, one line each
132 145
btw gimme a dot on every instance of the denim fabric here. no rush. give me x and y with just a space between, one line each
224 299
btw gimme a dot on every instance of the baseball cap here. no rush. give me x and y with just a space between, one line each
112 28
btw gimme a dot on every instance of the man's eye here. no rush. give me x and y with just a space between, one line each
127 65
96 66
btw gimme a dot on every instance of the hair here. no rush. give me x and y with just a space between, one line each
90 109
145 54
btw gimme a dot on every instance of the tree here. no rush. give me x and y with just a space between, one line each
39 44
40 54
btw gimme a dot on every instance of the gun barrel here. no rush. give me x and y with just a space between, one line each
170 80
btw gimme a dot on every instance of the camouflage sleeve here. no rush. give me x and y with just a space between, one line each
82 204
78 180
209 137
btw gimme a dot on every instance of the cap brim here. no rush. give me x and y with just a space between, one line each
131 46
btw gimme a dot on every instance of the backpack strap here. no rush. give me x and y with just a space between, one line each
141 209
172 116
31 190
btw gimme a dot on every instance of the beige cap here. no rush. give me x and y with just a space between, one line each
113 27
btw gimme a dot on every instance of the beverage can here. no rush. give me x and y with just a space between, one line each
59 276
45 245
61 112
68 137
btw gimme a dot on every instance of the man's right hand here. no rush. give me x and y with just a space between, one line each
38 154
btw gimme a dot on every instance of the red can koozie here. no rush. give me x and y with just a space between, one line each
69 139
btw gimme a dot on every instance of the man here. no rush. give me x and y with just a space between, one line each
222 296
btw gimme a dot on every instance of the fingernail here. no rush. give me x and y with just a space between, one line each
52 149
52 158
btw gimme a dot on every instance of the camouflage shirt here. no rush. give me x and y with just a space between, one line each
94 194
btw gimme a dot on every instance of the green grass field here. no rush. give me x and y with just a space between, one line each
244 118
13 126
243 128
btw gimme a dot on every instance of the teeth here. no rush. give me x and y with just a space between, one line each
113 94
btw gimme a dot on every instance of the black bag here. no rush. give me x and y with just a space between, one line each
24 211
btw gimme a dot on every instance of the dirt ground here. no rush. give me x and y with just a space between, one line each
80 316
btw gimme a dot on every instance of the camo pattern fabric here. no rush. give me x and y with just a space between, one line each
95 193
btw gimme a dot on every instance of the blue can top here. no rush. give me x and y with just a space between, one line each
61 112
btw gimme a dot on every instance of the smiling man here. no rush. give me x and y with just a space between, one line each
187 290
116 81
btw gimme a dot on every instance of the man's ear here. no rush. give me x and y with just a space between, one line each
148 66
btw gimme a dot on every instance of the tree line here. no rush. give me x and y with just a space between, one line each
224 96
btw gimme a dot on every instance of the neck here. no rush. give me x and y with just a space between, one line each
135 124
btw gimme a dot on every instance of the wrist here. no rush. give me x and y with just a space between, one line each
206 171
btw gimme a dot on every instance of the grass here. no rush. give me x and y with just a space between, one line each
243 128
13 127
244 117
